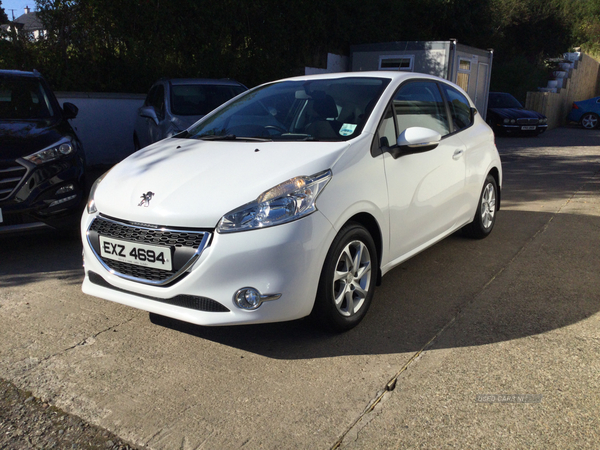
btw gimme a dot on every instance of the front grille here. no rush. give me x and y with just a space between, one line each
152 236
528 121
143 273
11 174
185 245
185 301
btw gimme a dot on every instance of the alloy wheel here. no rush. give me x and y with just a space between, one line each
589 121
352 278
488 206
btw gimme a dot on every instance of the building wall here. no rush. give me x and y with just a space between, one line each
583 83
104 124
335 64
429 57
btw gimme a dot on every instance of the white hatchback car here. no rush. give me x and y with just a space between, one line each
292 200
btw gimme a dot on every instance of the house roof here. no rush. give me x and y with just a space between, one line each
30 22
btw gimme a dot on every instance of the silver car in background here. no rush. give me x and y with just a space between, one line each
172 105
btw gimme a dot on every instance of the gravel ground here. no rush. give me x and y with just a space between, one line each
28 423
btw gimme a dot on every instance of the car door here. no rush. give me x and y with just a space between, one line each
476 153
424 189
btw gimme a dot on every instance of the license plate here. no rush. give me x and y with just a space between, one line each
135 253
529 128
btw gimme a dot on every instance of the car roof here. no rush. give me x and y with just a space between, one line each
20 73
208 81
391 74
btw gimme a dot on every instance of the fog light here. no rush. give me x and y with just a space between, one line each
250 299
65 148
247 298
65 189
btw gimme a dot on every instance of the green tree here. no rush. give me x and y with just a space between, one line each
3 16
102 45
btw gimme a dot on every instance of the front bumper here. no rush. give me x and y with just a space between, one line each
575 115
285 259
49 195
518 129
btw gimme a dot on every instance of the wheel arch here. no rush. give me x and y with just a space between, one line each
372 226
496 174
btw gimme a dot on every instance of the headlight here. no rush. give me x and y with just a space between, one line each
91 204
506 121
61 148
285 202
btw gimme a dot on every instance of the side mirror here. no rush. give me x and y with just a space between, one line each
149 113
70 111
415 140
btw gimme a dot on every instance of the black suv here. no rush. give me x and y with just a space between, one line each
41 159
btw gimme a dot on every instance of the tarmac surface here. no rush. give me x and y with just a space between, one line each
470 344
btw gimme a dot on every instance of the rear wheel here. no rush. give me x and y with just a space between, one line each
589 121
348 279
485 216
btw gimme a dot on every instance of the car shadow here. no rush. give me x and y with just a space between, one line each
515 284
457 278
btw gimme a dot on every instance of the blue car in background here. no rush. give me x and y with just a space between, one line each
586 113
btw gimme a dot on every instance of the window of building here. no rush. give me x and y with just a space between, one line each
397 62
464 72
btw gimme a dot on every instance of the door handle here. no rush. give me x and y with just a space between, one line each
457 153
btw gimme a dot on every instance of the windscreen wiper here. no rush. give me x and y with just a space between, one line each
230 137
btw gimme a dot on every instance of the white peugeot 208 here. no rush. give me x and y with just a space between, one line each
292 199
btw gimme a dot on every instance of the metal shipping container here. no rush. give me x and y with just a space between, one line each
469 67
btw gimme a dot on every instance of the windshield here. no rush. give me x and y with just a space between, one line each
330 109
200 99
23 98
503 100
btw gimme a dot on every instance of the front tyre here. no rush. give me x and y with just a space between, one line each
485 216
348 280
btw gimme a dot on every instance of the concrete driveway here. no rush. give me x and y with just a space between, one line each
489 344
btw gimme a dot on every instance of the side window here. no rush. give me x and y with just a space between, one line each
150 97
159 102
420 104
387 129
459 108
156 98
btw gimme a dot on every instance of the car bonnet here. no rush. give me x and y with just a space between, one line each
23 138
516 113
194 183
